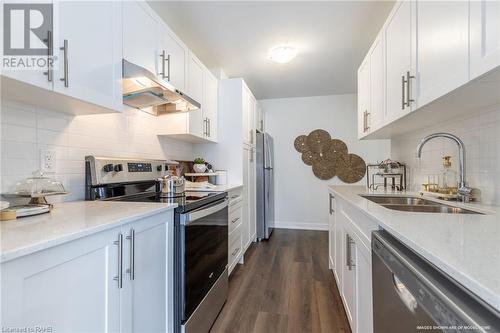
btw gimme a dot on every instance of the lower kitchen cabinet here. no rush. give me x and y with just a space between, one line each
106 282
350 251
236 219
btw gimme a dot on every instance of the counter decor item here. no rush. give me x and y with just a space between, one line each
171 186
36 188
199 165
329 157
386 173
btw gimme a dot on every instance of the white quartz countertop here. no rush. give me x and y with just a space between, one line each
464 246
217 188
69 221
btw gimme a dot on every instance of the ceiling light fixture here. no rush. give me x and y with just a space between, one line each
282 54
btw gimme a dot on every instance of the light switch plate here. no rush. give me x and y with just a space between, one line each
47 161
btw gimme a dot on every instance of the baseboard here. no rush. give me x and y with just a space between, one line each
300 225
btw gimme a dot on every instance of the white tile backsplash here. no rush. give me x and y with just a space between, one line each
480 133
26 130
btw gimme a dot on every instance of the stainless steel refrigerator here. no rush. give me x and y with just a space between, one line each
265 185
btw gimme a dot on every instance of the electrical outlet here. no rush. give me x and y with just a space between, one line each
48 161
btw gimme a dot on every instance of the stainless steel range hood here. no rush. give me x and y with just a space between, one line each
145 91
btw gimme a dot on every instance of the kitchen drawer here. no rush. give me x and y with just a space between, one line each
235 197
234 248
235 216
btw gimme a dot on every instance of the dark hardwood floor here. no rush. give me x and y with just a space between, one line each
284 286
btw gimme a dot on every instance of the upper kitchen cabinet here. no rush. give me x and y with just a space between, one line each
442 49
90 59
141 36
87 71
195 90
210 105
259 118
371 89
441 59
400 72
198 126
249 110
173 55
484 37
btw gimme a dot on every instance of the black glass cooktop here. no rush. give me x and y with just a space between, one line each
188 202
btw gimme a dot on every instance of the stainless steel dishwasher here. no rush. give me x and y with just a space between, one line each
412 295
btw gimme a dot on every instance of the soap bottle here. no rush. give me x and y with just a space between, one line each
449 176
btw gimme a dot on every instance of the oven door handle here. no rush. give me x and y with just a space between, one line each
188 218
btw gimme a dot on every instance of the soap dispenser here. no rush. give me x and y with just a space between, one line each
449 176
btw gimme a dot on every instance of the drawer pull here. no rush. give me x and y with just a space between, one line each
235 220
234 252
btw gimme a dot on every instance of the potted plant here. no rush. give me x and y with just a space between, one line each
199 165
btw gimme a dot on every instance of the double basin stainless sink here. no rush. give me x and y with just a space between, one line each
412 204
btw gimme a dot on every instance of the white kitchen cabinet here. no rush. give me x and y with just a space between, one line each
90 59
210 105
172 59
442 48
145 289
248 227
249 110
74 287
236 217
348 284
363 97
352 263
259 118
400 70
69 288
376 115
484 37
141 36
195 90
331 232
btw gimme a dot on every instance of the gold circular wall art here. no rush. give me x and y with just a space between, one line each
329 157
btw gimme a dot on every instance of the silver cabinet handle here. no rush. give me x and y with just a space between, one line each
165 59
365 121
367 117
209 127
205 126
349 261
408 88
235 220
403 102
331 203
119 276
234 252
65 79
131 270
49 71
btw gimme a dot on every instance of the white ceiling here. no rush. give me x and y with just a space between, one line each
331 36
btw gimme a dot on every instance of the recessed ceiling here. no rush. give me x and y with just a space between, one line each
331 37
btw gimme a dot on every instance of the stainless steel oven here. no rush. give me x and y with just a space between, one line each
412 295
202 265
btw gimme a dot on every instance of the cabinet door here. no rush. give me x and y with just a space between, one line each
331 232
68 288
141 36
210 101
484 36
377 85
93 69
252 223
259 118
363 97
338 260
399 39
145 267
364 306
31 76
174 67
442 48
349 276
195 90
245 224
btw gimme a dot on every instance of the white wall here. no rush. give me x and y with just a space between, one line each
25 130
301 199
480 133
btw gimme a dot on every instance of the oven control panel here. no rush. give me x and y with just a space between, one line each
140 167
